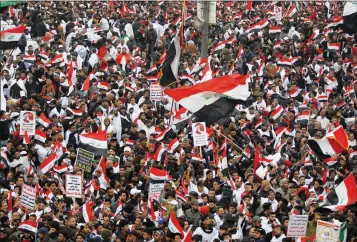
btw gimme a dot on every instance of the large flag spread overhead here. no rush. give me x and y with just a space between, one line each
343 195
350 17
333 143
10 37
94 142
212 100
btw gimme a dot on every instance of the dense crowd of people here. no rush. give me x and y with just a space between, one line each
86 67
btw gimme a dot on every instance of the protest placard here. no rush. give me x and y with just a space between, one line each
84 159
27 122
297 225
155 92
199 134
327 232
28 196
73 186
278 13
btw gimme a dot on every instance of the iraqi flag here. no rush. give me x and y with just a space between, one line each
343 195
169 68
212 100
173 146
10 37
61 168
337 20
220 46
275 30
333 47
332 144
350 17
279 110
163 134
162 58
330 161
303 117
174 225
44 121
94 142
76 112
159 154
28 225
87 212
157 174
48 163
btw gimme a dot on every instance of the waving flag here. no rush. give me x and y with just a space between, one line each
350 17
332 144
10 37
44 121
214 99
48 163
343 195
94 142
87 212
174 225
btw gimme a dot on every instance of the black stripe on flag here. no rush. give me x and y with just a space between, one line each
217 110
332 197
168 76
96 151
350 18
317 149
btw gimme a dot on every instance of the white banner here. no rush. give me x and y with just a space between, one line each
28 196
297 225
278 13
327 232
155 92
199 134
27 122
73 186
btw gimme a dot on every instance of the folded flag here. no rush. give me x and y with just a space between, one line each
212 100
343 195
10 37
94 142
334 142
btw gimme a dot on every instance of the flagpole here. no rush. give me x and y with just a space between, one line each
229 139
188 231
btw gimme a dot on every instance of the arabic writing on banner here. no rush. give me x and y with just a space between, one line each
73 186
297 225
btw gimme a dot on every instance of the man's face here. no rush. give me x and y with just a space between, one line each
272 217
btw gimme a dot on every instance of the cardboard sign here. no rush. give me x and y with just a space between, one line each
297 225
199 134
73 186
278 13
28 196
27 122
84 159
327 232
155 92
